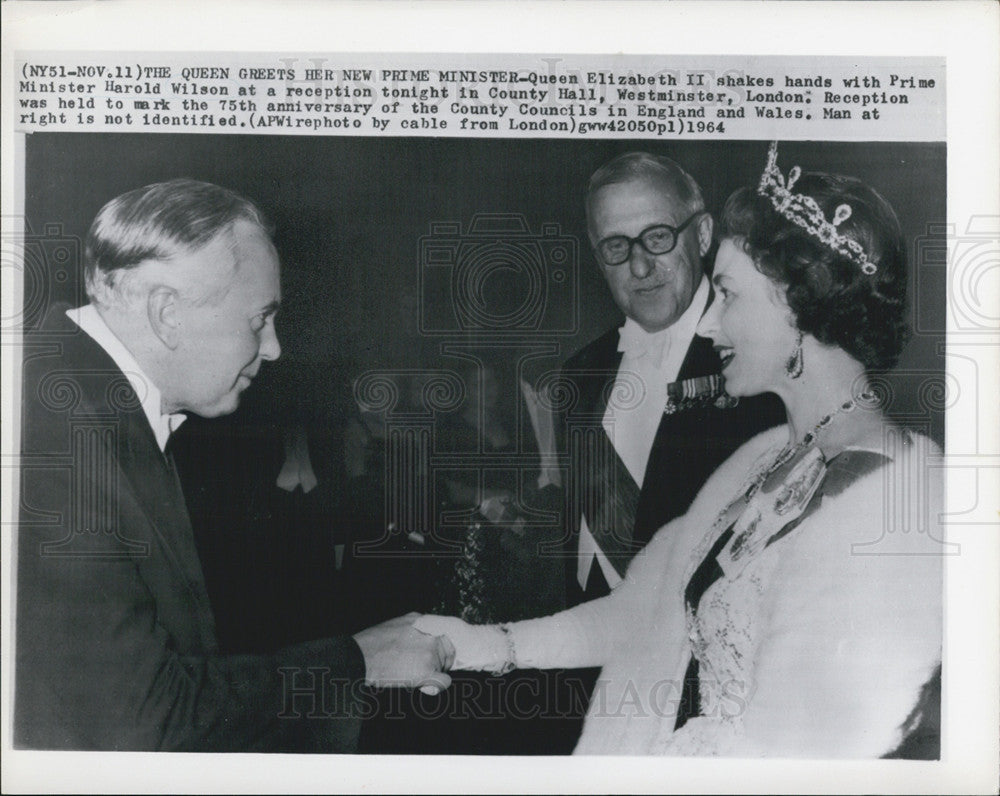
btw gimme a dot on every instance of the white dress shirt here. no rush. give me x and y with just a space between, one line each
650 361
90 320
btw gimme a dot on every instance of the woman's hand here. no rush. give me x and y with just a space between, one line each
397 654
476 647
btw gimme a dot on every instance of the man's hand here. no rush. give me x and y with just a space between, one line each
397 654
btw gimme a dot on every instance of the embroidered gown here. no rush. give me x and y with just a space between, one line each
807 633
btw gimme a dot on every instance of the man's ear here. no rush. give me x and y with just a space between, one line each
162 311
705 227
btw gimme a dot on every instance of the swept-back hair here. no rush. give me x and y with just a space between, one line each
155 223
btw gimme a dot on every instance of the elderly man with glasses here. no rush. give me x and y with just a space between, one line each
650 420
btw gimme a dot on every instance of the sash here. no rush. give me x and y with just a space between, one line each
605 493
769 517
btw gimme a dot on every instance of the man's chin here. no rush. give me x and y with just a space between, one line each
654 316
652 324
224 407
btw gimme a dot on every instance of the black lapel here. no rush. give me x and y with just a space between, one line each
701 360
677 463
594 371
141 462
159 494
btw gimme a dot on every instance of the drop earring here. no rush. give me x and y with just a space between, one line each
793 365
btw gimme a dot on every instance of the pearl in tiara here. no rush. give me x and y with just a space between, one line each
804 211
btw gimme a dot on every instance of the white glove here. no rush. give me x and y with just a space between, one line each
477 647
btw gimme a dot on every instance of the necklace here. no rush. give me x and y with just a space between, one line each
790 451
757 520
736 511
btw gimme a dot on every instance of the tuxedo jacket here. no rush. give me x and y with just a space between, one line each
115 638
689 444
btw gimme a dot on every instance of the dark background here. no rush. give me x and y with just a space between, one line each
349 214
351 219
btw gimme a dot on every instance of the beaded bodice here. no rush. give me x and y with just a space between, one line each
736 565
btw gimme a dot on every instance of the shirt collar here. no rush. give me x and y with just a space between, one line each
90 320
636 342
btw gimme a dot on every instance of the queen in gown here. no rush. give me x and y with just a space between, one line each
795 610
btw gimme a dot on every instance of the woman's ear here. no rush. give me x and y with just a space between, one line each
779 296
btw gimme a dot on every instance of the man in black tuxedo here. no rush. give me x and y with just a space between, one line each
115 640
645 417
649 420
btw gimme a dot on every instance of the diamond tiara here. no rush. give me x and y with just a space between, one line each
804 211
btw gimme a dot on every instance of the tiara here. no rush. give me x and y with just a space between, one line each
804 211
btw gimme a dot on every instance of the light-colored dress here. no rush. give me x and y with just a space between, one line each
814 645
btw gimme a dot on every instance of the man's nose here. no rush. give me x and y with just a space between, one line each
640 262
270 348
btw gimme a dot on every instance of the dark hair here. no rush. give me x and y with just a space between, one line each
831 297
154 222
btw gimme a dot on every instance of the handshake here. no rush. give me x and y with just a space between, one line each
398 655
417 651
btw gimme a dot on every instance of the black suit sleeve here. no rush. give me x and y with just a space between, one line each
102 662
115 641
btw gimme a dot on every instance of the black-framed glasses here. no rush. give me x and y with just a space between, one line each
657 239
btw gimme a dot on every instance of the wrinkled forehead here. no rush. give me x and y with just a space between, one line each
248 240
635 196
241 254
235 242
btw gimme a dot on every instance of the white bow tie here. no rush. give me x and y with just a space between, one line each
635 342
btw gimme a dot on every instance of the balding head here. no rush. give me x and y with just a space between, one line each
153 225
654 168
646 222
185 275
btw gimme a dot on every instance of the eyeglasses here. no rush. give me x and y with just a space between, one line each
657 239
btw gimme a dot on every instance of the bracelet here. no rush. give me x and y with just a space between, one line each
510 663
